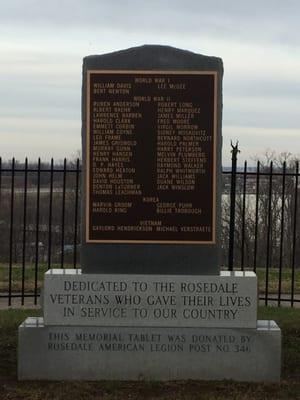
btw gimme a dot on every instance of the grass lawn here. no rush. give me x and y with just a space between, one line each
289 388
29 276
273 280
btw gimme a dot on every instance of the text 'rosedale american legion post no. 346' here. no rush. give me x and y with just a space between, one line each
150 301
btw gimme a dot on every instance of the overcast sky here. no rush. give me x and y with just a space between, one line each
42 44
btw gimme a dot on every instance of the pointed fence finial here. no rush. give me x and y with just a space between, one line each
235 149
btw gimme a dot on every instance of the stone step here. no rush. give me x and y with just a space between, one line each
121 353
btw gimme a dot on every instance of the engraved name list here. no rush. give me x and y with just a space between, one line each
151 153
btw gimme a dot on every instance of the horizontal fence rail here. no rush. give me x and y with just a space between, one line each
39 226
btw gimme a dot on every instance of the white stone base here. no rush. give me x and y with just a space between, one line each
226 300
144 353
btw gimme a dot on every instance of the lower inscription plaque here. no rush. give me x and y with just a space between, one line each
126 353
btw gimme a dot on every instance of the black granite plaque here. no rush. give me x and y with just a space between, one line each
151 152
150 156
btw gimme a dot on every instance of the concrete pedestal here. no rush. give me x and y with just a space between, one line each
152 327
123 353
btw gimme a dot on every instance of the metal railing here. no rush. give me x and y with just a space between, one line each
39 225
264 232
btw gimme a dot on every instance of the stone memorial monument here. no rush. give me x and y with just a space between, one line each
150 301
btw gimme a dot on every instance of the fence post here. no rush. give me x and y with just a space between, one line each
11 229
294 233
235 150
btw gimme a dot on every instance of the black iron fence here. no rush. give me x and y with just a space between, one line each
261 214
39 225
